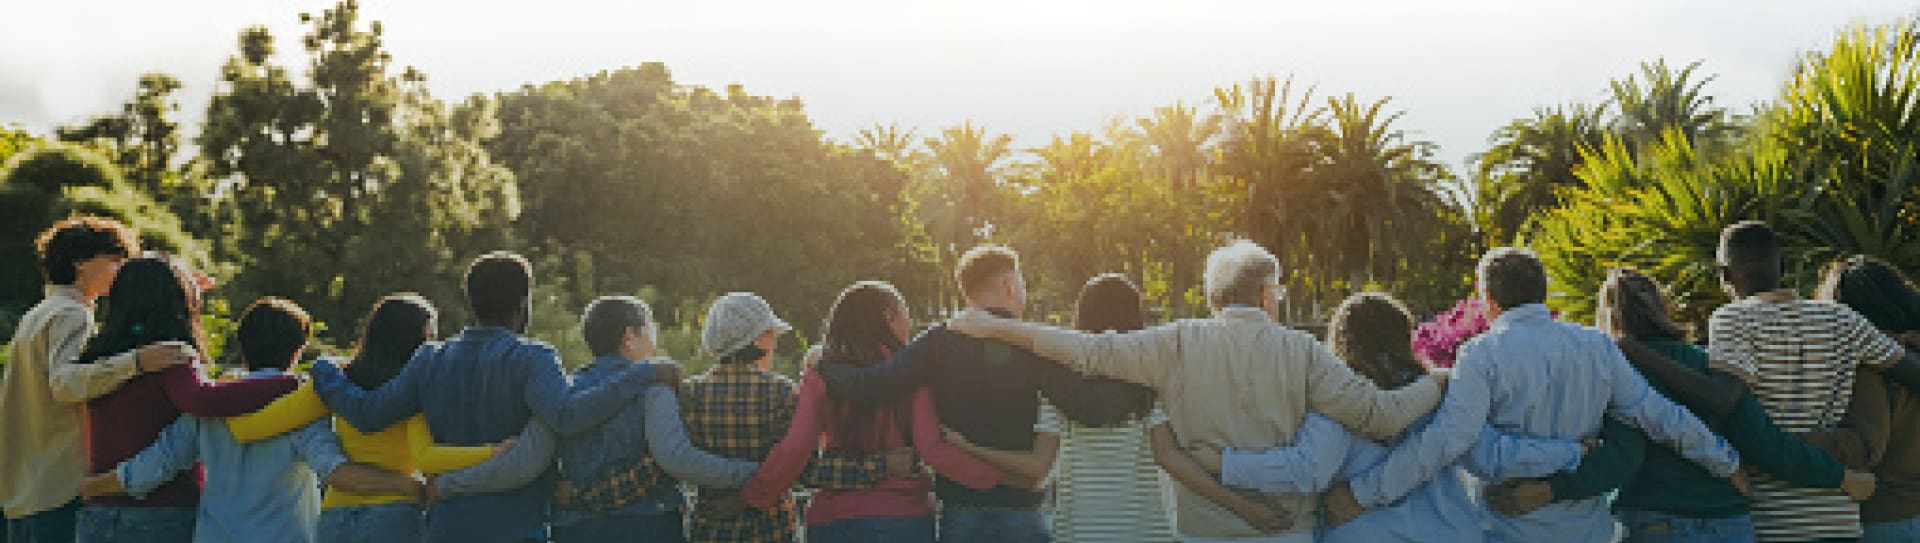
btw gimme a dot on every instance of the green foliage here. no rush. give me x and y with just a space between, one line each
633 182
52 181
1832 165
354 183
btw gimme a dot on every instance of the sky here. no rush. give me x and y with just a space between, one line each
1031 68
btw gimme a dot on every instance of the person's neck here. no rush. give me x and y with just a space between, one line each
996 306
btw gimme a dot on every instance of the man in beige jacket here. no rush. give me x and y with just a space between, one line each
44 389
1237 379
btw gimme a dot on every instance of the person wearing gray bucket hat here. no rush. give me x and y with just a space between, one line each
738 320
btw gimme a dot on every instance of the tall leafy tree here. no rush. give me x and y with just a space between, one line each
353 183
1530 161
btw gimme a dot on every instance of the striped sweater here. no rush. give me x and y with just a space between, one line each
1800 357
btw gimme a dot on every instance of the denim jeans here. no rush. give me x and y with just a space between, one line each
111 524
667 527
1899 531
50 526
1654 527
987 526
370 523
873 530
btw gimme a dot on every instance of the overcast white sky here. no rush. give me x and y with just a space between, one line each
1031 68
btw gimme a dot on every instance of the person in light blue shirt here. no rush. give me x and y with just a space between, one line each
1373 334
1532 375
268 490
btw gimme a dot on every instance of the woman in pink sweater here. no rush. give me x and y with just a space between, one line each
868 322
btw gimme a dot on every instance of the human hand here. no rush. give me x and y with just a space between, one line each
419 494
1340 505
1441 376
901 463
1858 485
430 491
722 504
504 446
1267 518
105 484
667 372
162 355
954 438
1741 482
1519 497
563 494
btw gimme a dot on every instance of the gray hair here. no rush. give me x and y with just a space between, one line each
1239 273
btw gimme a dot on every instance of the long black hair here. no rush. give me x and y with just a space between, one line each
394 330
1373 333
859 332
1875 290
1109 302
153 298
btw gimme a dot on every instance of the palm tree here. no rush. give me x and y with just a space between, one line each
1669 98
1379 186
970 159
1530 161
890 142
1179 138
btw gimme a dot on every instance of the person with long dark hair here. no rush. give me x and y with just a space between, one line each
1877 291
45 389
155 298
1662 496
867 323
394 329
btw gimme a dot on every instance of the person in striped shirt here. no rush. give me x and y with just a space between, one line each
1799 357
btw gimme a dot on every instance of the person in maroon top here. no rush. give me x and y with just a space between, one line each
155 298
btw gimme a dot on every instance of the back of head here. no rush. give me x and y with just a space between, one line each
734 322
982 267
1373 333
607 320
1511 277
148 302
1110 302
859 333
272 332
858 328
498 285
1875 290
69 242
1632 307
394 329
1239 274
1750 251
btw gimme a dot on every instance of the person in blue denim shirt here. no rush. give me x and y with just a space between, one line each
1532 375
262 491
619 330
482 387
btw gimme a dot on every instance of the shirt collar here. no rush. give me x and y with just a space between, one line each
1525 313
485 331
1244 312
1778 295
67 291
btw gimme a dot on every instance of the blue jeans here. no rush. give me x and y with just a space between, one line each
371 523
112 524
873 530
1654 527
667 527
1899 531
988 526
50 526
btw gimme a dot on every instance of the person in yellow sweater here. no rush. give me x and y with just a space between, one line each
397 326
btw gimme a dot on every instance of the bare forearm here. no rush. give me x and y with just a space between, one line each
366 479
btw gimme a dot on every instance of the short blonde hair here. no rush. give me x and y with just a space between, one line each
1238 273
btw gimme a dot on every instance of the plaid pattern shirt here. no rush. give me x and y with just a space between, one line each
739 411
646 480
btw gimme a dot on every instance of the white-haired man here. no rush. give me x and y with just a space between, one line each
1237 379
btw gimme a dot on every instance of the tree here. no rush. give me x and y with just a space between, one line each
1668 99
1531 159
353 184
142 138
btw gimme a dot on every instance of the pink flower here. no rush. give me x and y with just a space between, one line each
1438 341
